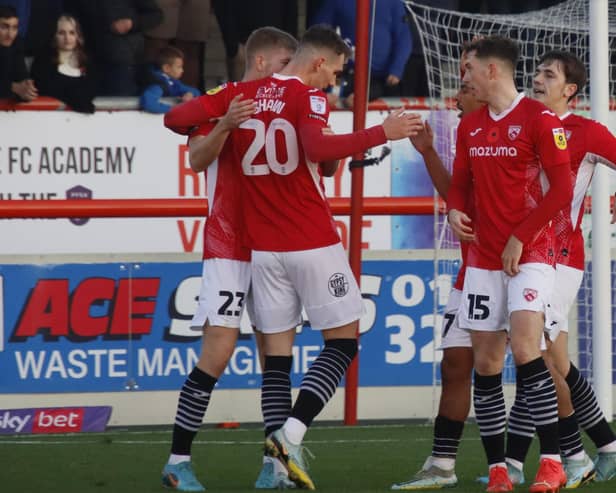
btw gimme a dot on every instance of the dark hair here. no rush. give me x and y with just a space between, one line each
7 11
324 36
269 37
80 50
504 49
573 68
168 54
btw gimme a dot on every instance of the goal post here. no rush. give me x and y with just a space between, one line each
588 29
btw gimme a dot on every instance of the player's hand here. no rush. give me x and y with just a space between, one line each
400 124
25 89
424 140
392 80
614 210
461 225
187 96
511 256
238 112
327 130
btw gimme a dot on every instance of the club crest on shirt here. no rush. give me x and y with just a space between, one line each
568 135
318 104
514 131
559 138
530 294
338 285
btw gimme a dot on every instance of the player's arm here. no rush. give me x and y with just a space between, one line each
459 189
320 147
602 145
204 149
186 117
329 168
553 154
424 143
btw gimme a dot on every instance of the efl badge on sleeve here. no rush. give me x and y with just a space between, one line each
318 104
216 90
559 138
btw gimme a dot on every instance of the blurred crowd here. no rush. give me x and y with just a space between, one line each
74 50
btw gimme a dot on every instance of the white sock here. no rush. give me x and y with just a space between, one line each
499 464
294 430
515 463
176 459
554 457
445 463
610 447
577 456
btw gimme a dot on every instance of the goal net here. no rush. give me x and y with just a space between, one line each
564 26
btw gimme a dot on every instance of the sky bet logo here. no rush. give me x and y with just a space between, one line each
63 420
54 420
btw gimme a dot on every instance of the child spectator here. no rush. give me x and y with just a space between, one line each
64 71
166 83
14 80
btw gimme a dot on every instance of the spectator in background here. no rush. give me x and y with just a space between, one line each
238 18
391 41
185 25
64 72
166 82
117 29
415 78
37 22
14 79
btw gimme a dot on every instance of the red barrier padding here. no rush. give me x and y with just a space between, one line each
21 209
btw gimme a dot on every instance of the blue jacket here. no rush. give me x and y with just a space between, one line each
163 87
391 45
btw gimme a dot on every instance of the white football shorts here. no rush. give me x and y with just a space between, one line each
320 280
490 296
225 286
566 287
451 334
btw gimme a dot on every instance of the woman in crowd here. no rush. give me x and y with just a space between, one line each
63 72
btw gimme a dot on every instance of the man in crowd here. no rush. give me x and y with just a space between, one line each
14 79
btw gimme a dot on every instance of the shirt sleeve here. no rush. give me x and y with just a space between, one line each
461 180
150 100
312 118
557 197
183 118
551 144
602 145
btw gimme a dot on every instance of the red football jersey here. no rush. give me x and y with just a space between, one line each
284 207
589 143
222 234
501 158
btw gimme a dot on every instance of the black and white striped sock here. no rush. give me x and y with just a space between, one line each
322 378
520 427
542 404
447 434
589 414
491 415
276 392
569 436
192 404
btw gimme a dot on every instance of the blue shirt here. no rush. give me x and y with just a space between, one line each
166 87
391 45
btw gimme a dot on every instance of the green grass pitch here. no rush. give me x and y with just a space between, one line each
347 459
